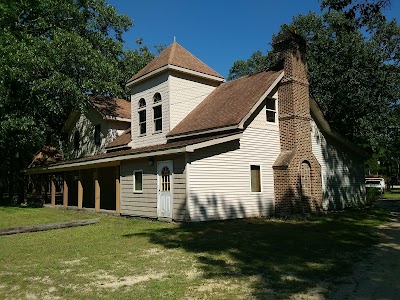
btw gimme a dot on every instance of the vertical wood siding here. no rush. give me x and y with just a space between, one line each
219 176
145 204
186 94
342 172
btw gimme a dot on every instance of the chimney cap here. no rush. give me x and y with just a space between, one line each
290 39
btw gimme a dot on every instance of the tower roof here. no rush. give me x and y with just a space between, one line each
177 56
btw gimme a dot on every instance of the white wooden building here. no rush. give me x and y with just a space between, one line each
198 148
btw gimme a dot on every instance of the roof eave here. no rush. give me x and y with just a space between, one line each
264 96
201 132
175 68
112 118
115 160
319 118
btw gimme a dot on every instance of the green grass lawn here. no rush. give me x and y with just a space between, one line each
394 194
121 258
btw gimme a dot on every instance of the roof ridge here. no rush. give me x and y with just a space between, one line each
172 53
178 56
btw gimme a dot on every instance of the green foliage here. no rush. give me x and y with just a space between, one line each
353 62
372 195
256 63
52 55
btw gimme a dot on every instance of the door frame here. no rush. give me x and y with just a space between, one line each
160 166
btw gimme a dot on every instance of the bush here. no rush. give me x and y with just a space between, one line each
372 195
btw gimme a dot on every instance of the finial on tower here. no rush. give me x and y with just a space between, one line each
174 39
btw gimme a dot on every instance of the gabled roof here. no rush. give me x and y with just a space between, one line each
109 108
46 156
112 108
121 141
176 55
229 104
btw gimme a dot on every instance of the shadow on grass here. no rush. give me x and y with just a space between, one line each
287 257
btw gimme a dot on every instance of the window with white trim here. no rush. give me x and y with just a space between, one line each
142 116
271 110
157 112
138 181
255 178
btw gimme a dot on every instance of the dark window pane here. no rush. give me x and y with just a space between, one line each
158 125
142 128
157 112
142 121
157 118
142 116
76 140
255 179
270 116
138 181
97 135
270 104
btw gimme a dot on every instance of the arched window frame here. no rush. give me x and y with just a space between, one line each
142 116
157 112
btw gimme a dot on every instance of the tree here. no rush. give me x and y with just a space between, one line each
353 61
53 54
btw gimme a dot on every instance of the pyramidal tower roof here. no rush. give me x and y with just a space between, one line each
176 57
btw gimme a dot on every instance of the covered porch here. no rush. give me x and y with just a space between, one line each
95 186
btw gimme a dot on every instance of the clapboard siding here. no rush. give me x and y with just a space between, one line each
342 172
85 125
186 92
146 90
219 176
145 203
179 188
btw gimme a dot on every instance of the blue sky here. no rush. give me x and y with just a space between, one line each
217 32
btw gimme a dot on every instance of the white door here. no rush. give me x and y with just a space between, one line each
164 184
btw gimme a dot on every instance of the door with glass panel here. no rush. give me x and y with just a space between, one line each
164 185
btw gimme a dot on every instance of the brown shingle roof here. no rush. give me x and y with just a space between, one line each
111 107
148 149
227 105
47 156
178 56
123 140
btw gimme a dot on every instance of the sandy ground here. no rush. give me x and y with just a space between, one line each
378 277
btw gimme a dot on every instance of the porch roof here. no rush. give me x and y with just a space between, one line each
114 158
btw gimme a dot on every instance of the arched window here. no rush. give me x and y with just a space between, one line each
166 179
157 112
142 103
142 116
157 97
305 180
77 138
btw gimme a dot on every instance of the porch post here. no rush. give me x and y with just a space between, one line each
65 193
80 190
53 191
96 191
117 191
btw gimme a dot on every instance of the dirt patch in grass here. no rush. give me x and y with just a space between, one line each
131 258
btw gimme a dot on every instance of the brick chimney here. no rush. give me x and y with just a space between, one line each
297 173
